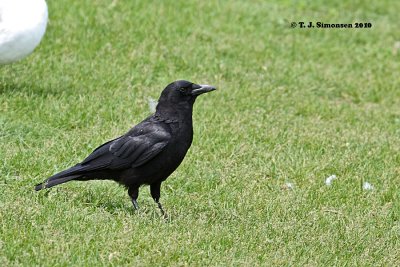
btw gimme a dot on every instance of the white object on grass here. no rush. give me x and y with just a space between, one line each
22 26
330 179
152 104
367 186
289 186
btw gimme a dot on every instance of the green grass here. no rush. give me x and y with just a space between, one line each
294 105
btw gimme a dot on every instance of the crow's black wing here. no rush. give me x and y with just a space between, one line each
99 151
137 147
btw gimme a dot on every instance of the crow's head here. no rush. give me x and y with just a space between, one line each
183 92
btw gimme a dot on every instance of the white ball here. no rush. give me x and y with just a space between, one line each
22 26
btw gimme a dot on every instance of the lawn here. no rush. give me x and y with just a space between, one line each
294 106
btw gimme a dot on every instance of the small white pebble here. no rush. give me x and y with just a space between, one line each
152 104
289 186
367 186
330 179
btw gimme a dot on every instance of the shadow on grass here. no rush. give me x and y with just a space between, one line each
121 207
145 210
82 199
115 207
17 78
12 87
68 198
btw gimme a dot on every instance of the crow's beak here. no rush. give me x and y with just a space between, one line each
203 88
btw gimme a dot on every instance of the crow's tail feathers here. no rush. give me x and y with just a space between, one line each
55 181
62 177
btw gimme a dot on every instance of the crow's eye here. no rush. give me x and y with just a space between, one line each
184 91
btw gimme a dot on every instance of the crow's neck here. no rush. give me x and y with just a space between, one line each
181 111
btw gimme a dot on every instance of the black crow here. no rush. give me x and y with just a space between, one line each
146 154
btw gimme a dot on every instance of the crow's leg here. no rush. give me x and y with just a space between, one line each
155 194
133 192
